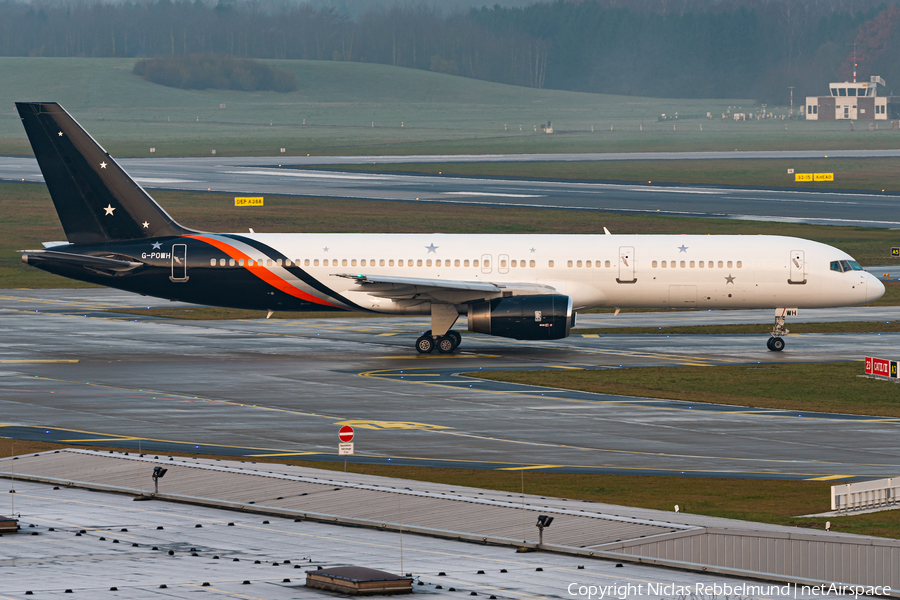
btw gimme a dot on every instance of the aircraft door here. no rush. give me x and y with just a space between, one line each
485 263
503 265
798 268
179 263
626 265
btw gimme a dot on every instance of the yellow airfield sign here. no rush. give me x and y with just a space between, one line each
248 201
814 177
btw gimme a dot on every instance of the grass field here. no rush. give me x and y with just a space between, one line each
761 500
339 101
29 219
818 387
875 174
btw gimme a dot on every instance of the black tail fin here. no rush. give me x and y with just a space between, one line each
95 199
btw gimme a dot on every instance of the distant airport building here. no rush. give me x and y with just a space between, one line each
855 101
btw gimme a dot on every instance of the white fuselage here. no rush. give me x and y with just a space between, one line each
627 271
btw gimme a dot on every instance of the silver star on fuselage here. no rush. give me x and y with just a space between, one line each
157 245
729 279
432 248
682 248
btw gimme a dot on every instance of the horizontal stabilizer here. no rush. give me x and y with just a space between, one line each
102 264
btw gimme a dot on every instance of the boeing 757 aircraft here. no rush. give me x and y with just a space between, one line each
526 287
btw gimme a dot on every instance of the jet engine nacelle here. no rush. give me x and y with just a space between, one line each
523 317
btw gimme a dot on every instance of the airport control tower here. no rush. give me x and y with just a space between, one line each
855 101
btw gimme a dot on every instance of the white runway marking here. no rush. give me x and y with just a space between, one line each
493 194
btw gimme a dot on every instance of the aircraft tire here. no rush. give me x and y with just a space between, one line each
777 344
457 339
445 344
425 345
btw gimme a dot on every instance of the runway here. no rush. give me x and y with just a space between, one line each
282 387
268 176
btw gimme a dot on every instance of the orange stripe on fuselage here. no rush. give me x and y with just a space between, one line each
262 272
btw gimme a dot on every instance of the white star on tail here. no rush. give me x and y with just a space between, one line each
60 134
103 165
109 209
146 225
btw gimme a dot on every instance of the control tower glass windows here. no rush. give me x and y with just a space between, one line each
842 91
834 91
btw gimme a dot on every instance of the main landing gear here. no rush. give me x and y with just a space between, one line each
440 337
444 344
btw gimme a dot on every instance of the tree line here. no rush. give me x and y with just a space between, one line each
665 48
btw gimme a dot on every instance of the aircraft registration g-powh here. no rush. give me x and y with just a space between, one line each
521 286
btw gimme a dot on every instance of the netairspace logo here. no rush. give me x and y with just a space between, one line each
621 591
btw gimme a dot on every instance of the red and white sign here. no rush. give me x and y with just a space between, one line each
346 433
878 366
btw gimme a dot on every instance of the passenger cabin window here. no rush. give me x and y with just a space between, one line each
654 264
531 263
729 264
682 264
663 264
692 264
419 262
569 263
579 264
456 263
212 262
475 263
466 263
720 264
607 264
739 264
550 263
428 263
391 263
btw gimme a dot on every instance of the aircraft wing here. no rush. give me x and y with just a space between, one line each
415 290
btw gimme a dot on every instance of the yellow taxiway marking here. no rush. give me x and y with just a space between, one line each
385 334
829 477
283 454
14 361
566 367
391 425
112 439
530 468
590 335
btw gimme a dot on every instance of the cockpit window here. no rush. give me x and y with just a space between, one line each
842 266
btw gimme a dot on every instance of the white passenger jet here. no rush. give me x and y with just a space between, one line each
526 287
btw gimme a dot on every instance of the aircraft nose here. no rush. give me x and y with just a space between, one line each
874 289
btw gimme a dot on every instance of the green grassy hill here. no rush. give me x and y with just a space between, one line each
339 102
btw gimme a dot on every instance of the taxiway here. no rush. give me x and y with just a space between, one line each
282 387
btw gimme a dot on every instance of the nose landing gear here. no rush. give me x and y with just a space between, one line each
776 342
